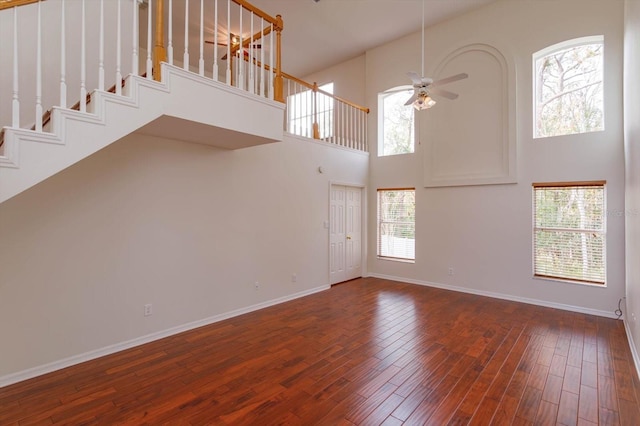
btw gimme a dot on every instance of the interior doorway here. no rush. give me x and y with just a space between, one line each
345 233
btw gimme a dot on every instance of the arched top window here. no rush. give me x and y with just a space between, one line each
568 88
395 122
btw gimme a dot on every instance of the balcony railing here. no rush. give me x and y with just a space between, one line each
61 50
316 113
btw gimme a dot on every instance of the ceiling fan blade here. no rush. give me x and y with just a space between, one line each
415 78
406 89
412 99
444 93
451 79
255 46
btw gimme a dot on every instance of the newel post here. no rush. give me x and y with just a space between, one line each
278 83
159 51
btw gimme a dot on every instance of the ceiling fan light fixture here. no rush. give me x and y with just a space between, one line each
424 101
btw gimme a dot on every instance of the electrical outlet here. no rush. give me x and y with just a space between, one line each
450 270
294 277
256 285
148 309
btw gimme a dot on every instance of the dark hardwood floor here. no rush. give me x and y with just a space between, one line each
367 352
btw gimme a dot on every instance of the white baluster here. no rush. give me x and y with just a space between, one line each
101 49
240 79
119 52
228 76
288 109
262 65
83 65
170 35
149 24
215 41
273 69
251 65
135 69
347 129
185 58
352 126
344 126
358 136
63 58
366 132
39 72
363 129
15 115
201 60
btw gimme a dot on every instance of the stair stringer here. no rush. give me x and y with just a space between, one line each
30 157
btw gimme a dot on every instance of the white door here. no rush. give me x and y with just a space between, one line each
345 235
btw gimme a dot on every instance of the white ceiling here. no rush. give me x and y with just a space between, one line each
319 35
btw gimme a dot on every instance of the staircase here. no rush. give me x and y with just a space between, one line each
232 94
182 106
228 108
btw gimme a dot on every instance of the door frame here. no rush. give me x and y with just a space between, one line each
363 224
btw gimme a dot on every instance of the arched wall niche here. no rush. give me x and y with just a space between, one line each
472 140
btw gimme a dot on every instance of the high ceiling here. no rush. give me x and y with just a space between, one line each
321 34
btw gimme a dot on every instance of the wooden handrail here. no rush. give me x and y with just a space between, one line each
310 86
246 42
7 4
259 12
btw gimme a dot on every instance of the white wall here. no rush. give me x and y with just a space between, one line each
484 232
348 79
632 157
186 227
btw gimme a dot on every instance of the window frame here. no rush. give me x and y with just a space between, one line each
379 224
302 101
381 115
564 45
578 184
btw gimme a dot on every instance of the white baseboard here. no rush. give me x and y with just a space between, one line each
502 296
87 356
634 351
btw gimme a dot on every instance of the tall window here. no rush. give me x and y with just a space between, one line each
568 88
396 129
303 108
397 224
569 231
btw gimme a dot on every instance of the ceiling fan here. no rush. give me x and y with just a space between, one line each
424 87
234 39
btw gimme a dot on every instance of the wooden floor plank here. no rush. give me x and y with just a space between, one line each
370 351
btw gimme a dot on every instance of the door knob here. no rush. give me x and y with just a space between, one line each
348 237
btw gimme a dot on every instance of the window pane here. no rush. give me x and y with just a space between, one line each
575 207
397 124
569 232
300 108
568 90
570 255
396 224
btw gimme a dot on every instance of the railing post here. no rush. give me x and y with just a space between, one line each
159 51
279 81
314 109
